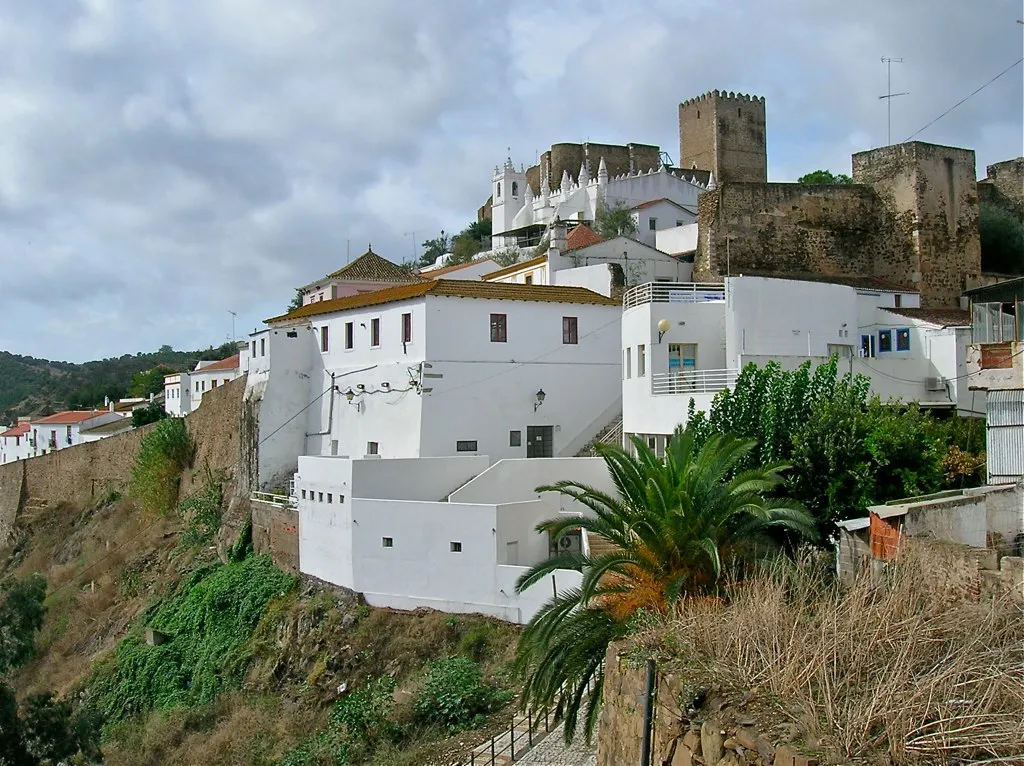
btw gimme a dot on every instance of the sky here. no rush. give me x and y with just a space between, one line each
166 162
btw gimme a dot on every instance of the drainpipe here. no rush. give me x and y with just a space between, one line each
330 412
645 752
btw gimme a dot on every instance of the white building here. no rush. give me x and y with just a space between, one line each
183 391
687 342
659 199
451 533
365 274
64 429
104 430
15 443
472 270
436 369
582 258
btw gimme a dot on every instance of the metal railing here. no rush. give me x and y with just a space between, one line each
693 382
279 500
673 292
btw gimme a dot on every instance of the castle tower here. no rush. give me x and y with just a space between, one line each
508 190
726 134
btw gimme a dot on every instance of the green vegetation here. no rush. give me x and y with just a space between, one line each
21 615
152 413
209 621
149 381
676 523
463 246
201 513
296 300
30 386
455 694
824 178
1002 240
847 450
507 256
614 221
165 452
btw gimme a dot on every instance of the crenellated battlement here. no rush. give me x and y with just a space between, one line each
721 95
724 132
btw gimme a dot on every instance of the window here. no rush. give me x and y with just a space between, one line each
375 332
867 346
330 497
321 498
499 328
254 349
466 446
515 438
641 360
570 330
455 547
897 300
515 189
680 223
263 346
292 333
498 195
321 296
372 448
387 542
628 364
197 386
348 335
325 342
303 494
652 223
884 341
213 383
406 328
903 339
652 442
528 279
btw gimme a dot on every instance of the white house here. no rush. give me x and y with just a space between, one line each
447 533
472 270
519 217
15 443
435 369
687 342
183 391
365 274
64 429
582 258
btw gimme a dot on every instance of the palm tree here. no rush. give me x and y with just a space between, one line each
675 524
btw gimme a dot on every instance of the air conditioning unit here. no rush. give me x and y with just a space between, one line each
570 542
935 384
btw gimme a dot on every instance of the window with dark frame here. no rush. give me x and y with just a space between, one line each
465 446
324 339
898 301
903 339
884 341
455 547
387 542
570 330
406 328
263 346
330 497
372 448
652 224
515 438
320 496
349 331
499 328
375 331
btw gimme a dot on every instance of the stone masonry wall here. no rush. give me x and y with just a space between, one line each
275 531
1004 185
725 133
793 228
618 158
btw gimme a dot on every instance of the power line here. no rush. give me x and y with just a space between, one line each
961 101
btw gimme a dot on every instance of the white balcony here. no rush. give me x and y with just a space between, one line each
693 382
673 292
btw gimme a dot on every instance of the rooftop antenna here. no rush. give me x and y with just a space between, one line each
889 95
413 235
233 315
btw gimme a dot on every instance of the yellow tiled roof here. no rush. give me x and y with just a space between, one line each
538 261
452 288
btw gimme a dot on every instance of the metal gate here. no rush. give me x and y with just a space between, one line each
1004 436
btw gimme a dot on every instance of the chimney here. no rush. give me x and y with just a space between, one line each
110 404
559 235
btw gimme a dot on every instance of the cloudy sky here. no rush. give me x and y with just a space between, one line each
165 161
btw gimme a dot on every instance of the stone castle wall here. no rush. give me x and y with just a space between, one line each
725 133
1004 186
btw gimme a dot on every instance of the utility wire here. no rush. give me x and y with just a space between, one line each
961 101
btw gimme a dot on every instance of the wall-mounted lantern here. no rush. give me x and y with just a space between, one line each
350 395
540 399
663 327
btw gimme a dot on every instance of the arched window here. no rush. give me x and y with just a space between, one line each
498 195
515 189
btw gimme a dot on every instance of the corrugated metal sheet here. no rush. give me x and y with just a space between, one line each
1005 435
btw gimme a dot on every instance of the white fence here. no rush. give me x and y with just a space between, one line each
693 382
673 292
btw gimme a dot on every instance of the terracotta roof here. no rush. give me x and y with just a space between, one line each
68 417
113 427
940 317
231 363
452 288
19 430
855 281
435 273
653 202
370 267
538 261
582 236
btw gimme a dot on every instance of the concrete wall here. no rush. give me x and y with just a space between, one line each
640 263
515 481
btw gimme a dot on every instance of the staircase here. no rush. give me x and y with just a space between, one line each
598 546
610 434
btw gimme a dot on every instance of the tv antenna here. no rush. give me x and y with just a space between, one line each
233 315
413 235
889 95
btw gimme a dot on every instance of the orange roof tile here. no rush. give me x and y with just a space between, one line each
582 236
452 288
68 417
940 317
231 363
516 267
19 430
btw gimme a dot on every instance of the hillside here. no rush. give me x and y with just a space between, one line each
30 386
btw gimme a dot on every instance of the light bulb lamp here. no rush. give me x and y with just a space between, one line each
663 327
540 399
350 395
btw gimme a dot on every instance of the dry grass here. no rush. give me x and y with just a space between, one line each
914 669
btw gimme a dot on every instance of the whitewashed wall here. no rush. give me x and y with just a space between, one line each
678 239
640 262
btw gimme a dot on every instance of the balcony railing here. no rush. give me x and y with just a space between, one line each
273 499
673 292
693 382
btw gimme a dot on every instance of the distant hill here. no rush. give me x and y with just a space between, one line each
30 386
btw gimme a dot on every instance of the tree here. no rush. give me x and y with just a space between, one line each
152 413
435 248
1002 239
824 178
614 220
296 300
676 523
149 381
21 615
507 256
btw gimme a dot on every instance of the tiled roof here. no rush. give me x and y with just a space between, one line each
653 202
231 363
940 317
435 273
370 267
540 260
68 417
855 281
452 288
582 236
19 430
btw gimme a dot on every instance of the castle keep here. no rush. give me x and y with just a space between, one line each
725 134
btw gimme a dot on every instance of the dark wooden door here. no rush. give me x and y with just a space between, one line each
540 441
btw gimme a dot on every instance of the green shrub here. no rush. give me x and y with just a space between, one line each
202 513
474 642
165 452
152 413
455 694
21 615
210 621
